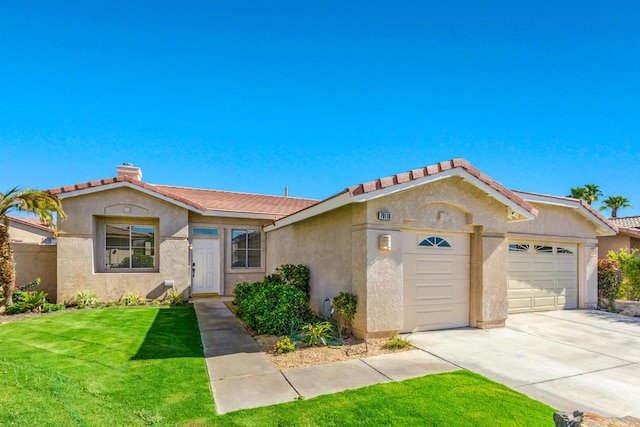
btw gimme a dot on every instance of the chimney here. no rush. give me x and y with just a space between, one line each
286 191
127 169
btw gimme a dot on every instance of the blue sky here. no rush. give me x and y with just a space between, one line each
317 96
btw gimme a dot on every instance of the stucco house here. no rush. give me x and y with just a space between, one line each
29 230
627 238
438 247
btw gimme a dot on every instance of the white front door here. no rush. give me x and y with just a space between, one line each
205 266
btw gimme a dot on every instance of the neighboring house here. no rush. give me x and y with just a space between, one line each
628 237
34 253
438 247
29 230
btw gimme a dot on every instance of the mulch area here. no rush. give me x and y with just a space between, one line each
353 348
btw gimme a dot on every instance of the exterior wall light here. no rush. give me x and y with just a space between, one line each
384 242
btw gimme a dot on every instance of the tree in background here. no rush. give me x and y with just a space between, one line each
41 203
589 193
614 203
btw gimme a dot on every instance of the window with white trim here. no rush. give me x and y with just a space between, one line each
246 248
129 247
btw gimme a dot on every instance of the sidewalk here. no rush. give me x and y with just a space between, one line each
242 376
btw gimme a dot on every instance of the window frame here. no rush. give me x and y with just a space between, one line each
100 245
247 250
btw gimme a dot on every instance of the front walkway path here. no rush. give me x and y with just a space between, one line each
242 376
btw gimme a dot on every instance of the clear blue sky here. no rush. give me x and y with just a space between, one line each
317 96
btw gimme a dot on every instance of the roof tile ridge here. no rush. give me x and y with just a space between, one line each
234 192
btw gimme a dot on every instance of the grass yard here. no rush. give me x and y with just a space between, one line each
144 366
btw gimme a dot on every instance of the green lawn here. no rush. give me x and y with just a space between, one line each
144 366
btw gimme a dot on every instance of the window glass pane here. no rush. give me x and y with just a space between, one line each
117 236
211 232
254 258
545 249
239 258
114 258
564 250
254 239
239 239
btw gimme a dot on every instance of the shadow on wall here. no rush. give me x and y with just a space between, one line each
158 292
173 333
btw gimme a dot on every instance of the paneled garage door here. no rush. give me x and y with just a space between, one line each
436 281
542 276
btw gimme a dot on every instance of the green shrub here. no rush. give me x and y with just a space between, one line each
269 308
174 297
28 301
85 299
317 333
49 307
609 278
292 275
133 298
345 304
630 267
396 342
284 346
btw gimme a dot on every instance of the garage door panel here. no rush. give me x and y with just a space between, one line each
519 285
549 283
543 266
548 302
435 281
423 318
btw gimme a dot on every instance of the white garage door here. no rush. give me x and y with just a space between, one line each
542 276
436 281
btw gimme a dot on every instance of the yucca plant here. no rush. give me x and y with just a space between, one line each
316 334
133 298
86 299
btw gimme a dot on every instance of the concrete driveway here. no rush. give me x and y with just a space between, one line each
573 359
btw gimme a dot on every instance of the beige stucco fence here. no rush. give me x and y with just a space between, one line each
34 260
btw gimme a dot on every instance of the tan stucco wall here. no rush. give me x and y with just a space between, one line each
23 233
232 276
324 244
77 266
615 243
554 222
33 260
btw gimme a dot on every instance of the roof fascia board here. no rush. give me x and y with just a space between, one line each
523 214
126 184
336 202
606 229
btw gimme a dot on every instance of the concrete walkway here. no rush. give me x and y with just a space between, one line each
243 377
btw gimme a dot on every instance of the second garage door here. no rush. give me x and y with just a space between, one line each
542 276
435 281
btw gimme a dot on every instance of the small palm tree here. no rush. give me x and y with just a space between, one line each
589 193
614 203
41 203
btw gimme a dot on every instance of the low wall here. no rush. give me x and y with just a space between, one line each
33 260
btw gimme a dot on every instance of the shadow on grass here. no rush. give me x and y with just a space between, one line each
173 334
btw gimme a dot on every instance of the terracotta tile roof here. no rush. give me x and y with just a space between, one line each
633 232
216 200
626 221
32 222
207 200
435 169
